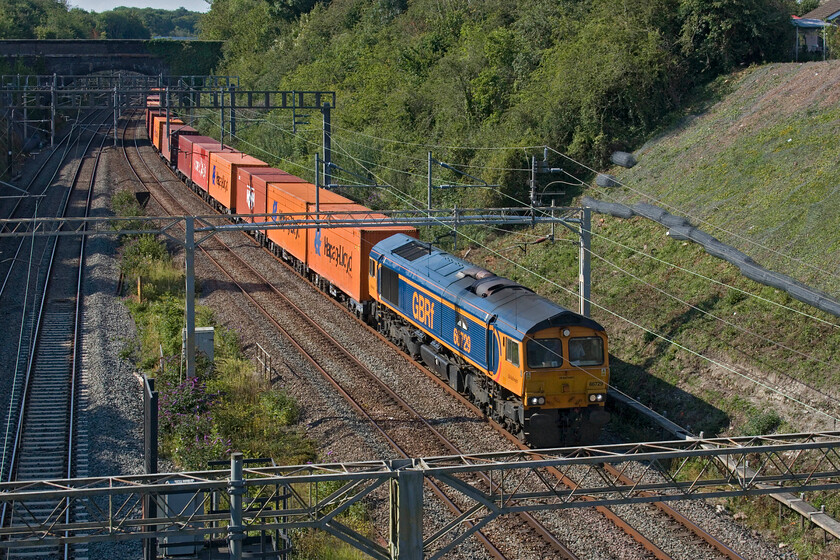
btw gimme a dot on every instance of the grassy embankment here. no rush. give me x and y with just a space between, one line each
760 163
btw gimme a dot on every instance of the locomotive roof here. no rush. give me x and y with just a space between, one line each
478 290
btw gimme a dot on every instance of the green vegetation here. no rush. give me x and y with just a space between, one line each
158 23
583 77
55 19
225 406
187 58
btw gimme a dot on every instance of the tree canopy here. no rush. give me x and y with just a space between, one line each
587 77
55 19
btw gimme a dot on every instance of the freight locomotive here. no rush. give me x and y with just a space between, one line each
537 368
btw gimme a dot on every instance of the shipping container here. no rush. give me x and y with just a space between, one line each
150 115
159 129
223 166
200 157
185 152
169 145
340 255
251 189
295 198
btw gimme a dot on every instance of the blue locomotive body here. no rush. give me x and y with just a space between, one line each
515 352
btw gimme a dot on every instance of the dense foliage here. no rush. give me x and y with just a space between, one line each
44 19
158 23
584 77
56 19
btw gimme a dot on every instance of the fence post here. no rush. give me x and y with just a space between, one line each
236 489
150 459
406 513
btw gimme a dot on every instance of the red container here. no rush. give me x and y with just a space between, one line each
169 145
341 255
223 166
185 152
295 198
251 191
200 157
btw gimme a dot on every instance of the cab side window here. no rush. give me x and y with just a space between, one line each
371 267
512 351
586 351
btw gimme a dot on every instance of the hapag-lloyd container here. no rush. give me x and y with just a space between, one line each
222 184
200 148
295 198
341 254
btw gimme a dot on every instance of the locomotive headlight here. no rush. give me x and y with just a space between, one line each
592 397
534 401
596 397
600 397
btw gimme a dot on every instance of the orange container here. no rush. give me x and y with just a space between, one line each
150 117
341 254
295 198
222 183
159 129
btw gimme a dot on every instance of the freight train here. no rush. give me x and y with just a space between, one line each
537 368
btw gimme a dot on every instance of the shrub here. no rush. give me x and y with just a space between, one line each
760 423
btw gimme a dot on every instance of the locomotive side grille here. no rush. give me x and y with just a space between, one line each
390 288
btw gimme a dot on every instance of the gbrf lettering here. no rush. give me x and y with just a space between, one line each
423 309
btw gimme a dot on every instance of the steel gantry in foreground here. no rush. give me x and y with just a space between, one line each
315 496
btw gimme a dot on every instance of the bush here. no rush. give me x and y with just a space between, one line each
280 407
140 252
761 423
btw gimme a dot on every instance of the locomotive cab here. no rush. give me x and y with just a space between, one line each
565 376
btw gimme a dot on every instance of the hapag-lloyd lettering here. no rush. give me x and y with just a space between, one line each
338 256
222 182
292 232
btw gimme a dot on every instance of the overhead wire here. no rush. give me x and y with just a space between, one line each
414 202
699 219
651 332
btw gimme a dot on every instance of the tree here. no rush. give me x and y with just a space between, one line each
122 25
806 6
718 35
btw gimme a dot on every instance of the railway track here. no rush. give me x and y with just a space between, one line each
364 396
28 203
45 439
401 425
